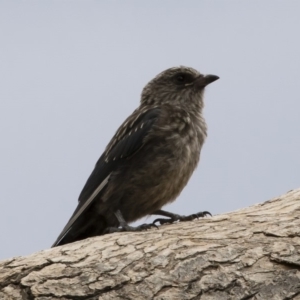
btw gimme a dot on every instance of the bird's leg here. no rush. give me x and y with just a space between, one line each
174 217
123 226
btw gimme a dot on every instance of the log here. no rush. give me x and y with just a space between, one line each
252 253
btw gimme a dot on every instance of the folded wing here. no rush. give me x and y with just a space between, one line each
127 141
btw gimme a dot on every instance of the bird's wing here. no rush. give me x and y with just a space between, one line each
126 142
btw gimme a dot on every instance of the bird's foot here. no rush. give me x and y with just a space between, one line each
174 217
123 226
128 228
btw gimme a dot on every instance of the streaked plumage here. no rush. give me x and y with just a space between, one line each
150 158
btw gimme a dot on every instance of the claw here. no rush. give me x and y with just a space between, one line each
144 227
130 228
162 221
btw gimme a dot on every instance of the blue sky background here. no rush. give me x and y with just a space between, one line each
72 71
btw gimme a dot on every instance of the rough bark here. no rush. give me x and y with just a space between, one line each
251 253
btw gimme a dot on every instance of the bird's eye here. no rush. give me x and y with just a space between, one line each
183 78
180 78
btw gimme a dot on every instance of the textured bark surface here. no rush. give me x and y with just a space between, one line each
253 253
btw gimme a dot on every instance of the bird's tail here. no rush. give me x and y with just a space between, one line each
87 225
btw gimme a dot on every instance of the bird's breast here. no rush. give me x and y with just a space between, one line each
183 142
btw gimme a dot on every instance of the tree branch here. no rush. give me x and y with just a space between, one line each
252 253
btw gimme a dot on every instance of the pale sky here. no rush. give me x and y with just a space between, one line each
72 71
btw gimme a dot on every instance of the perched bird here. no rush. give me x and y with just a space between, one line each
148 161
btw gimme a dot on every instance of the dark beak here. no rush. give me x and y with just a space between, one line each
203 81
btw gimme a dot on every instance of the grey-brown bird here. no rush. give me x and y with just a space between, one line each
148 161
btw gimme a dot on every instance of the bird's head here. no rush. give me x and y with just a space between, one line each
179 85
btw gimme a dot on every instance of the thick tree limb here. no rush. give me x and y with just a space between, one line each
253 253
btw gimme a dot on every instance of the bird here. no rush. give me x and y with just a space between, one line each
148 161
